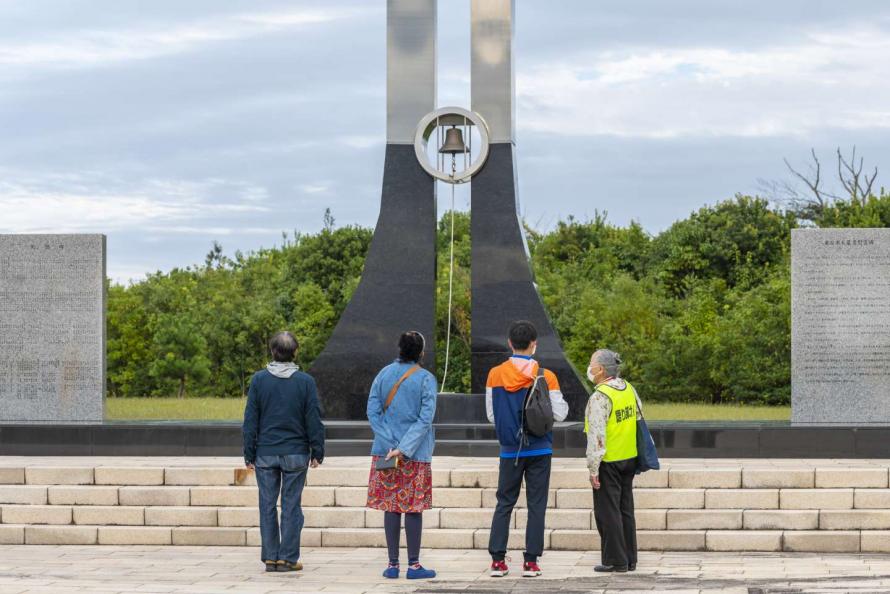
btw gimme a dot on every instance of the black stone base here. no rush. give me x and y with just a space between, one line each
460 408
397 291
353 438
503 286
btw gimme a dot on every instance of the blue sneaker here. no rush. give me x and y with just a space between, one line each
417 572
392 572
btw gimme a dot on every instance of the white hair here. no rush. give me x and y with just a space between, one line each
610 360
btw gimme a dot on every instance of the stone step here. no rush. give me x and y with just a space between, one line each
680 477
448 518
726 505
451 497
474 474
838 541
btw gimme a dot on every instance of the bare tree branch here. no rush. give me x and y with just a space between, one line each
850 184
870 181
778 191
857 185
813 184
809 203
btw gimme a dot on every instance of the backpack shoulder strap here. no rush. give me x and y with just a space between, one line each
531 389
398 384
534 383
540 378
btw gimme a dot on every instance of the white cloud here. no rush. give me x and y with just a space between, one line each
39 212
317 188
52 205
87 48
833 80
360 142
128 275
213 230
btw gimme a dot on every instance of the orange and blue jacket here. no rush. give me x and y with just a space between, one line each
505 393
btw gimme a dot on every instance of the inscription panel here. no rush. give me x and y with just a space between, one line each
840 326
52 328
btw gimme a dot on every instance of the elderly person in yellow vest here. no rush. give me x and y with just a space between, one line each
611 426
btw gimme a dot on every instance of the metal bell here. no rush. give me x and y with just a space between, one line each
454 142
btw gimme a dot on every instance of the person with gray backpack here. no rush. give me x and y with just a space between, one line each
523 400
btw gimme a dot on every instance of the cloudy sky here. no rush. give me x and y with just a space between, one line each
168 124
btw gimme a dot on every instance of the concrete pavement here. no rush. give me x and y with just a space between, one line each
205 570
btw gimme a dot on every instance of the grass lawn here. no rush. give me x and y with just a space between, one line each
232 409
174 409
673 411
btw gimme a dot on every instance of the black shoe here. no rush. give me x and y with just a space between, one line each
632 567
271 566
288 566
610 568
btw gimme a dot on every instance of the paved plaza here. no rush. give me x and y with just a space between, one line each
195 570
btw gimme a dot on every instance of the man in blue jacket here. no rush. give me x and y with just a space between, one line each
283 437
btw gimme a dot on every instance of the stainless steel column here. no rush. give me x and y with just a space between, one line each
491 70
410 66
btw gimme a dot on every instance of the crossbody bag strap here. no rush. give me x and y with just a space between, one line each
637 402
395 388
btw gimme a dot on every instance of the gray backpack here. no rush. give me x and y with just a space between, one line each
537 413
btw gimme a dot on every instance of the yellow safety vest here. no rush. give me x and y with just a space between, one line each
621 428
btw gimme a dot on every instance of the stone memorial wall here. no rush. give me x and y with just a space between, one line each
52 328
840 326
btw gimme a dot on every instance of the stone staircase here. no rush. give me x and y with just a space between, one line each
690 505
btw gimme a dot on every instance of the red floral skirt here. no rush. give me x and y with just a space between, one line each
407 489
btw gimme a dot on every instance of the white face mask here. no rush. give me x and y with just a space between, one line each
590 375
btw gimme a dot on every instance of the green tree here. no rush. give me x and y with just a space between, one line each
333 259
128 347
459 368
621 314
594 246
752 355
733 240
314 320
676 363
870 211
180 352
700 312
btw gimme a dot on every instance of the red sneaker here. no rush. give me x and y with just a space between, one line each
531 570
499 569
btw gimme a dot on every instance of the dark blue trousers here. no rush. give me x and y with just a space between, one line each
283 476
536 472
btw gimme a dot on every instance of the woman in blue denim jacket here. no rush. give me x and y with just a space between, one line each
403 429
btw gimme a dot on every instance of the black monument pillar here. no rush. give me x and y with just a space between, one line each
503 287
398 287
